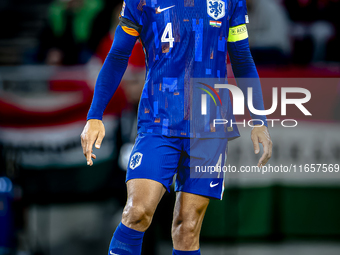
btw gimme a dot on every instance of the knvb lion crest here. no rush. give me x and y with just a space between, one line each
136 159
216 9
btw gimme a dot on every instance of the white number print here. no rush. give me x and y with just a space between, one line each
167 35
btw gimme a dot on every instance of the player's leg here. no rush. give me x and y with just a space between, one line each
153 163
196 182
188 217
143 198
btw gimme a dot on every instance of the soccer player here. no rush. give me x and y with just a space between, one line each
185 44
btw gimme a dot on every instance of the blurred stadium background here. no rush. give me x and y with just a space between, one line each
50 203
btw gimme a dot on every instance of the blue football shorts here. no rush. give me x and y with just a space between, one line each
198 163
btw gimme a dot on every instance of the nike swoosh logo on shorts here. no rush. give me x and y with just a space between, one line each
159 10
213 185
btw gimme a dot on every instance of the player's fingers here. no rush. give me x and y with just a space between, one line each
255 140
93 156
265 156
99 139
89 145
89 160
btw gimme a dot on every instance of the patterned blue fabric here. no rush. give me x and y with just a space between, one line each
185 43
171 100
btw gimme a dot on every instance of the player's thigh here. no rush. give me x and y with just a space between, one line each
143 198
144 193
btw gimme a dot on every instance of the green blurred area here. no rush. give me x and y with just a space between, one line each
274 213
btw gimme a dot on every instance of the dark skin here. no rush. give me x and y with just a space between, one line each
144 195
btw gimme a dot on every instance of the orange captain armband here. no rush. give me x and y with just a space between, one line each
130 31
130 27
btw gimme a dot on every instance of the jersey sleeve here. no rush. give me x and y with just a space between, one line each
240 14
131 17
237 23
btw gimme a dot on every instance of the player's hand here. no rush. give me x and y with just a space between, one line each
260 134
94 131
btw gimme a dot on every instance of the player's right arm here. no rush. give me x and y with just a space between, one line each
107 83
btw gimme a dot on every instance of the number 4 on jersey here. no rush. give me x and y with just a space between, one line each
167 35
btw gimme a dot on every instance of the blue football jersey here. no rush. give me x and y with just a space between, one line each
185 44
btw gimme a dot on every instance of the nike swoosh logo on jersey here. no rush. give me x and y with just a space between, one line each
213 185
113 253
159 10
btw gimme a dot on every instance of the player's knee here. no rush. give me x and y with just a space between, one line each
185 226
188 222
137 217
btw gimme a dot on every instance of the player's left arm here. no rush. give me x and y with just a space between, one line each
246 75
